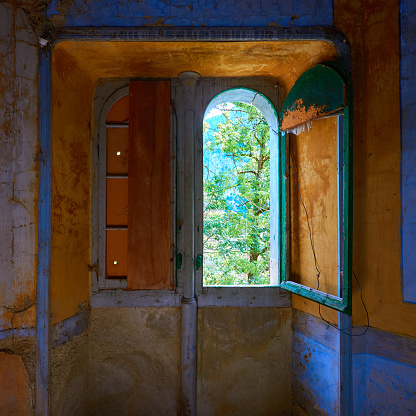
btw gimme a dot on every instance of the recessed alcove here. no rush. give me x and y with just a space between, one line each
115 342
77 68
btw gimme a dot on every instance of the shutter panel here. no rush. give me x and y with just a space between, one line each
149 186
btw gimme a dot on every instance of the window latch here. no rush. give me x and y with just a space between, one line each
198 262
178 261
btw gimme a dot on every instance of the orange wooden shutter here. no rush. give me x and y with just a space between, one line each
149 186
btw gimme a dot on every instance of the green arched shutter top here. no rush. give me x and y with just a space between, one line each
318 92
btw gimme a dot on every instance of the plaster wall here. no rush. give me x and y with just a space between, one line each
153 13
16 396
244 361
315 366
70 248
69 387
384 371
134 358
18 169
17 376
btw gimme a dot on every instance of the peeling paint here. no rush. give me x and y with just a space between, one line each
189 13
301 115
16 397
18 166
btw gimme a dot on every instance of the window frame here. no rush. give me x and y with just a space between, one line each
342 302
113 292
229 295
249 295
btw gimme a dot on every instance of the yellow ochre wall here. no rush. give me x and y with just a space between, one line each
70 251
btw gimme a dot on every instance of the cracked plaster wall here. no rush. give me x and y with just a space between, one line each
190 13
18 169
18 209
244 361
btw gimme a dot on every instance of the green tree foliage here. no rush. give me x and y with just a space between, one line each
237 197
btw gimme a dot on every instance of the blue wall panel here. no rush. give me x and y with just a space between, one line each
383 387
384 374
192 13
315 365
44 235
408 134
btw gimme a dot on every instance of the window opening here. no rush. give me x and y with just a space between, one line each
238 143
236 196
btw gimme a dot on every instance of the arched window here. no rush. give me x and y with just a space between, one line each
240 189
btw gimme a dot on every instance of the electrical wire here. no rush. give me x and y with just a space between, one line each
342 330
307 219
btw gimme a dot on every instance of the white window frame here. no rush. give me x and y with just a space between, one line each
111 292
267 96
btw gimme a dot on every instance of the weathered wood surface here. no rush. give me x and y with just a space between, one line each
149 186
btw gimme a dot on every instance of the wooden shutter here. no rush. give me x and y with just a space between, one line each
149 186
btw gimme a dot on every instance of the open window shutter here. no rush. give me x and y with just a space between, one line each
321 92
149 186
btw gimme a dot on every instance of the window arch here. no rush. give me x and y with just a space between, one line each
256 253
109 101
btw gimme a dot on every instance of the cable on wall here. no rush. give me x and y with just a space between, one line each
316 265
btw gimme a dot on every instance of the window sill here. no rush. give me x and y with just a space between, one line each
214 296
244 296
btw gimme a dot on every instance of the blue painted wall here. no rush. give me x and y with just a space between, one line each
383 387
384 374
315 365
212 13
408 134
384 370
